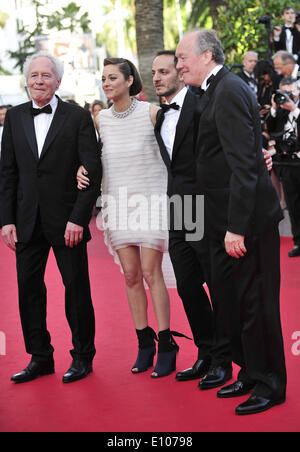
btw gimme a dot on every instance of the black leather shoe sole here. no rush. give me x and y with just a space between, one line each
237 389
26 377
294 253
204 385
189 377
248 408
199 370
76 376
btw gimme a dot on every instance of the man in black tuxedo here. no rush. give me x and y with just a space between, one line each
247 74
242 212
176 130
287 37
44 142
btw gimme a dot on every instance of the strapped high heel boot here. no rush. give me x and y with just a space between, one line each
167 351
147 350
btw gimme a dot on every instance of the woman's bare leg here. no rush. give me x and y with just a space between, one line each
152 273
136 294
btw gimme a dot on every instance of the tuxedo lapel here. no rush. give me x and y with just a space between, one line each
204 101
56 125
28 125
164 153
184 122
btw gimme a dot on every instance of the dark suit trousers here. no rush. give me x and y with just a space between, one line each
73 266
188 259
290 177
249 289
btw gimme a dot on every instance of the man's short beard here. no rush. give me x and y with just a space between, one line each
169 92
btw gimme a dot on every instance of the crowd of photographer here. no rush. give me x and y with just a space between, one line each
276 83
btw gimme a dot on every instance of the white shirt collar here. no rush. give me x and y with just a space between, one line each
215 70
248 75
53 102
179 98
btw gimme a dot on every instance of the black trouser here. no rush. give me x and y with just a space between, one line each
249 288
189 259
73 266
290 177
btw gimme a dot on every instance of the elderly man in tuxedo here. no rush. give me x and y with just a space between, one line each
176 131
44 142
242 212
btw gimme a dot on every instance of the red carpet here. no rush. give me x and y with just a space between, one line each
112 399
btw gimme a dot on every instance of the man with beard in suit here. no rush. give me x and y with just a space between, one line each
44 142
242 213
174 130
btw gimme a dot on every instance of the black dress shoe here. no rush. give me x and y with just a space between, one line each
78 370
256 404
237 389
199 370
34 370
295 252
217 376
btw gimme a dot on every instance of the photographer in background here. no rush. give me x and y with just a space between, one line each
285 65
287 37
283 126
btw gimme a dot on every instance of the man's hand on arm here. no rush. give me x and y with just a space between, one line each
82 180
73 234
9 235
235 245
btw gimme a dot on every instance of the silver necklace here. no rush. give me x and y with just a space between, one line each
124 114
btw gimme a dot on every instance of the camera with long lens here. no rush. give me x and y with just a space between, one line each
265 20
282 97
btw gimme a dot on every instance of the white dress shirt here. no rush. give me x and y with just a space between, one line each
251 81
289 39
168 128
215 70
42 123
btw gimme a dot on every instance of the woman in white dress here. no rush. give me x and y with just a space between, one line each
134 175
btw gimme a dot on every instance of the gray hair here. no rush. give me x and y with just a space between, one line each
59 67
208 40
285 57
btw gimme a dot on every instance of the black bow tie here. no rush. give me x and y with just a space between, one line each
167 107
209 80
38 111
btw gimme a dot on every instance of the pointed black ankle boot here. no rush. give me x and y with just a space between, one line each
147 350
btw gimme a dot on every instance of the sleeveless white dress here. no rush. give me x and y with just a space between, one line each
134 185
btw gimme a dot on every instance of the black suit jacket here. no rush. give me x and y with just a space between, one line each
48 184
281 44
238 192
182 175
